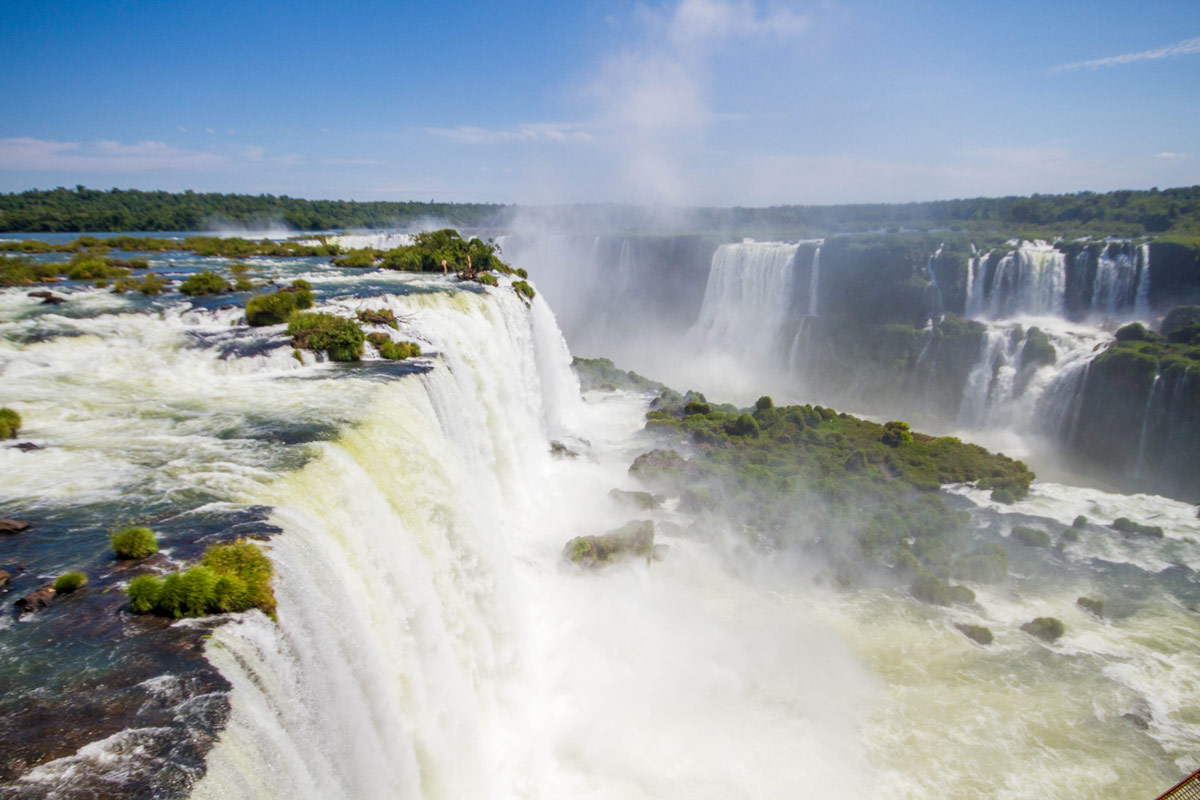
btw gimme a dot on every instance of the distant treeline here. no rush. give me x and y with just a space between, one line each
1126 213
83 209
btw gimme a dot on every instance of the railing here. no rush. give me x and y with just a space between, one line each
1186 789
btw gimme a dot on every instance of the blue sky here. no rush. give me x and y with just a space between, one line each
686 102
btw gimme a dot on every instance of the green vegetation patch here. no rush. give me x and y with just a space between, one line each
1047 629
71 581
1130 528
205 282
378 316
392 350
602 374
135 542
277 307
1031 537
10 423
341 339
524 289
230 578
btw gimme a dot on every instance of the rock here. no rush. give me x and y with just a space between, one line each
1045 628
26 446
560 450
632 539
1130 528
976 633
643 501
13 526
41 294
5 577
35 600
1091 604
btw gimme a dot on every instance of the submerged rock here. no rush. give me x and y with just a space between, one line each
640 500
1046 628
13 526
560 450
976 633
36 600
633 539
26 447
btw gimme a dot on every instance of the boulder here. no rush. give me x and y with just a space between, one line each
13 526
976 633
5 577
643 501
36 600
1045 628
26 447
633 539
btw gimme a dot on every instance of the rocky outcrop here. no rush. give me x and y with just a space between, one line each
632 540
36 600
643 501
13 526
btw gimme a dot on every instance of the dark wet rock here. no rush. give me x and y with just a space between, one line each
643 501
560 450
1045 628
36 600
26 447
41 294
1130 528
633 539
48 298
976 633
13 526
1139 719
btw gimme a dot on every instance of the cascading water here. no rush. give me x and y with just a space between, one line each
1030 279
748 304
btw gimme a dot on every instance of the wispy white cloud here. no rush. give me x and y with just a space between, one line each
1174 155
534 132
1186 47
27 153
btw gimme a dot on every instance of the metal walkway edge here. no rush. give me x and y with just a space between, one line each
1186 789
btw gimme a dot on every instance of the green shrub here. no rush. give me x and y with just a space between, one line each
205 282
487 279
1080 522
1002 494
134 542
763 403
986 564
65 584
378 316
230 578
395 351
144 591
342 339
744 425
10 423
696 407
962 594
524 289
274 308
1046 628
363 258
1135 332
84 266
896 433
1031 537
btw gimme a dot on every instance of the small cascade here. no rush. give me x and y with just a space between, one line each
990 381
1141 302
1062 402
1140 470
1117 281
814 283
747 302
939 306
1031 279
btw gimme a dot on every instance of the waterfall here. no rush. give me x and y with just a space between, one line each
1141 303
989 381
937 309
1031 279
747 302
1118 280
1140 469
814 283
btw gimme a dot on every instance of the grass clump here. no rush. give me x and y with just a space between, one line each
487 279
206 282
10 423
341 339
135 542
524 289
65 584
230 578
22 271
277 307
148 285
393 351
379 316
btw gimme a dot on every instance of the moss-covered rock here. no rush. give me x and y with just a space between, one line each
1046 628
69 582
205 282
632 540
976 633
1031 537
931 589
342 339
378 316
230 578
392 350
1093 605
1130 528
277 307
643 501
